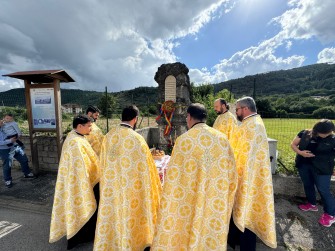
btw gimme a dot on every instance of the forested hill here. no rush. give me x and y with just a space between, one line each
317 79
15 97
139 96
312 80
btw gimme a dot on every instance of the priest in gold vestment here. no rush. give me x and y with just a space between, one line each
226 121
129 189
253 212
96 136
74 207
199 189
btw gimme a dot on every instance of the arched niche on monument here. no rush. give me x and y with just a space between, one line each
170 88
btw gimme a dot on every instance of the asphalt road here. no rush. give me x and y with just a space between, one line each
25 211
29 231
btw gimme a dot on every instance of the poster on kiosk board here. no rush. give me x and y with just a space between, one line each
43 108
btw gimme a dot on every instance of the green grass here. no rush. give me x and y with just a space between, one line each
284 131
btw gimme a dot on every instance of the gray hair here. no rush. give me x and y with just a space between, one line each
247 102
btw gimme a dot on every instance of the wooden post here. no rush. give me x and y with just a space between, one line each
32 134
59 132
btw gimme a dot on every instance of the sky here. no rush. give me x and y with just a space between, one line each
121 43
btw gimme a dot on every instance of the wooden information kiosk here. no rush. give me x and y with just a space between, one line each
43 101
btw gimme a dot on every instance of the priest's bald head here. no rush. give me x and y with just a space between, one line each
196 113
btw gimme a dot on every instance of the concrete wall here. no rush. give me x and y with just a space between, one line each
292 186
150 134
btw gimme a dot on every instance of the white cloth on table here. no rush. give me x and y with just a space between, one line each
162 167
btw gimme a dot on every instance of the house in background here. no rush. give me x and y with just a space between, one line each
71 109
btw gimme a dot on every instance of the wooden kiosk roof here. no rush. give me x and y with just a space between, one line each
45 76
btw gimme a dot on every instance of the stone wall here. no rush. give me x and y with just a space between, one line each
47 152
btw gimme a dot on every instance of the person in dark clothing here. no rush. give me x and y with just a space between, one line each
315 162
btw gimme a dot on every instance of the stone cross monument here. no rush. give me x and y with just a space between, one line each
174 90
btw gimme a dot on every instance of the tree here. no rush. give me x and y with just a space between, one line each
325 112
204 94
108 103
201 92
282 114
331 100
19 113
265 108
226 95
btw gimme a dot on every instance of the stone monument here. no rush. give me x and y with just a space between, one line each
173 98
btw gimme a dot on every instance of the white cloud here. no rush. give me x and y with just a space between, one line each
5 85
204 76
204 17
255 59
120 44
305 19
327 55
308 18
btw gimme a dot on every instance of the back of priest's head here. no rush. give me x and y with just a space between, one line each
197 111
129 113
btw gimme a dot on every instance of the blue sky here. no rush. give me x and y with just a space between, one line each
242 27
121 44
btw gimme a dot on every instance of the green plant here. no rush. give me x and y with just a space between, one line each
325 112
19 113
204 94
107 104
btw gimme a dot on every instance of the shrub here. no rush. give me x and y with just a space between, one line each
19 113
325 112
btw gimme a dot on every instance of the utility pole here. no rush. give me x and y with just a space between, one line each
148 108
254 94
107 108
